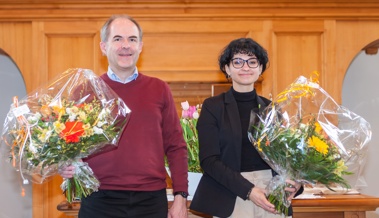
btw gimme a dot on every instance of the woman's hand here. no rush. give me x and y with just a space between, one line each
258 197
292 188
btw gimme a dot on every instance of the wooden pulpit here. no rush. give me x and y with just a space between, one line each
328 206
325 206
335 206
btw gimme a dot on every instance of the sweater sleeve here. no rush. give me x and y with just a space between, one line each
174 144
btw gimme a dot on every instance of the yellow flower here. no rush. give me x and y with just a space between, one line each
45 135
86 126
82 115
259 144
318 144
340 167
318 128
88 131
260 141
58 126
58 110
88 107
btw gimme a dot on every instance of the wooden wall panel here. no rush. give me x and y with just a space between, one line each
188 50
297 51
65 51
182 41
16 40
66 45
184 57
69 51
297 54
351 37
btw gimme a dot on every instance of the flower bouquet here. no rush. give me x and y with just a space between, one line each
305 136
188 121
75 116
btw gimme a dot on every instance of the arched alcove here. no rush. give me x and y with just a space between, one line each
360 93
12 203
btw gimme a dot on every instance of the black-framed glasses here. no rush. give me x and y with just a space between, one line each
239 62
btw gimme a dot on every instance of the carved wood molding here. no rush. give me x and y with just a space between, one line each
22 10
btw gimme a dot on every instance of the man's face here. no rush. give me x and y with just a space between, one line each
123 45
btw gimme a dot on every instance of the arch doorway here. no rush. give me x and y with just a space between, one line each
360 93
12 204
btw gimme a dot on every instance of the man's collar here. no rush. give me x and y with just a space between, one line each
115 78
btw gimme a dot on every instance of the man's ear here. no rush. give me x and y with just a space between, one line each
140 46
103 48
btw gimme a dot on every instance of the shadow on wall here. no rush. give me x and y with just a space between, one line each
12 203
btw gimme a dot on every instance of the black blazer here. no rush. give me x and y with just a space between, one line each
220 137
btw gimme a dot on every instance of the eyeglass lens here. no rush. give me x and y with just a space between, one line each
239 62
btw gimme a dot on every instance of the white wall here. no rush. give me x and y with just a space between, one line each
12 204
360 93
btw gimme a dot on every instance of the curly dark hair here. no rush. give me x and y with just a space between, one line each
242 46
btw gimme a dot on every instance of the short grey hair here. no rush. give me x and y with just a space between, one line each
104 32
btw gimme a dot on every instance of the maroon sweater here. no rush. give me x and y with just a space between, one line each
153 130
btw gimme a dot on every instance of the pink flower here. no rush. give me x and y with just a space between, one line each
191 112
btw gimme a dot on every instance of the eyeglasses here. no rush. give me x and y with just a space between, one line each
239 62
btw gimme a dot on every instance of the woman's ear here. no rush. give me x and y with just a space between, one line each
227 69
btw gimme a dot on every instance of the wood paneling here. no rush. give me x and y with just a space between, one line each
302 56
297 51
182 41
16 40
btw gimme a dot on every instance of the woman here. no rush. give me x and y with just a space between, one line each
235 176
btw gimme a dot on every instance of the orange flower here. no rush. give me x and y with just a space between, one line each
45 110
72 132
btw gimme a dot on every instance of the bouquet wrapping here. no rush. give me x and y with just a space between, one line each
75 116
305 136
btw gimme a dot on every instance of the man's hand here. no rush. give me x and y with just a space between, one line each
67 171
178 208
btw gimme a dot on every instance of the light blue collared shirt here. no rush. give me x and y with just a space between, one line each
115 78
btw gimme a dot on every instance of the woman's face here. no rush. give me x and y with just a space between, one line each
243 79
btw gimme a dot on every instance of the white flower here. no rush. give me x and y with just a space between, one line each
38 115
72 117
101 123
104 113
97 130
185 121
34 118
195 115
185 105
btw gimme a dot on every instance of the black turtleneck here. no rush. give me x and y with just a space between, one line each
250 158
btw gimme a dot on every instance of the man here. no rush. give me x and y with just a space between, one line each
132 177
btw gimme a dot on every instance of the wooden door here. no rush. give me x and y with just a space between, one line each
57 47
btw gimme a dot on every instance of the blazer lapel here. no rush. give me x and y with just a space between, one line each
261 103
234 119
